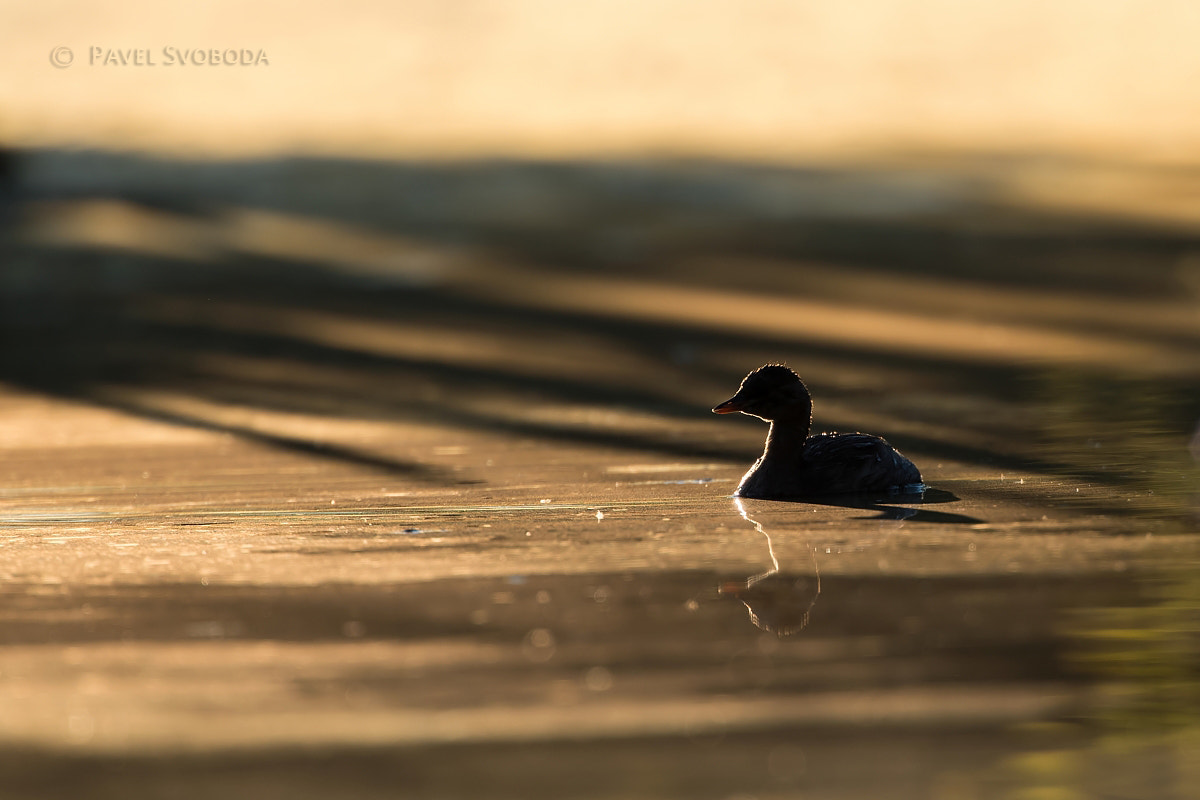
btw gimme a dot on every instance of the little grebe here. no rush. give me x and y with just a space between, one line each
794 464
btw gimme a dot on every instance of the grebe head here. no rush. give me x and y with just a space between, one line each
772 392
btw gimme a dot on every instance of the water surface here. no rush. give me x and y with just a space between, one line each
304 500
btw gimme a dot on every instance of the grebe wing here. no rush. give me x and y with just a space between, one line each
858 462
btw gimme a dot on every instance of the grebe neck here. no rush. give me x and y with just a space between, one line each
786 439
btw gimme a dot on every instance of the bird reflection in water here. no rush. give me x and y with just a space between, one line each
777 602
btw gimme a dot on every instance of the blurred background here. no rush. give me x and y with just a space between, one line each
627 202
402 238
779 82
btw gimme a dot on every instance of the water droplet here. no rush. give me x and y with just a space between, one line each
539 645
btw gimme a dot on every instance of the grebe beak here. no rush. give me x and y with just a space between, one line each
730 406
